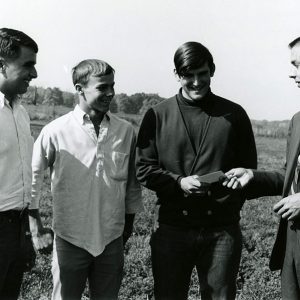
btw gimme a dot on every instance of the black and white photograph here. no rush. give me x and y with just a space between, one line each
149 150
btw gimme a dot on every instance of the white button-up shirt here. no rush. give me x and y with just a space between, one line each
16 145
93 179
296 177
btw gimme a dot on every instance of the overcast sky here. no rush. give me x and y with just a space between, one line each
248 40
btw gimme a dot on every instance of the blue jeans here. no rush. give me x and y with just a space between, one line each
11 263
72 267
215 252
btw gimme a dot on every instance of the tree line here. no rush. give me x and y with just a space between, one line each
137 103
274 129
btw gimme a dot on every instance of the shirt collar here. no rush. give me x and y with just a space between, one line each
81 115
4 101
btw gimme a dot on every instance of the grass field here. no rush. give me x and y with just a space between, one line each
258 223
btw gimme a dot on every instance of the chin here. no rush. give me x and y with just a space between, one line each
197 97
22 91
103 110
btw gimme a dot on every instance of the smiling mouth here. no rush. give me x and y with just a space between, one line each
105 102
196 89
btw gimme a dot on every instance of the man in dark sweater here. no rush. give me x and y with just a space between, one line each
192 134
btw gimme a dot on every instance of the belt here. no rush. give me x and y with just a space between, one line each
13 213
294 225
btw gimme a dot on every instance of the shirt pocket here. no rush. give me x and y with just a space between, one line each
118 165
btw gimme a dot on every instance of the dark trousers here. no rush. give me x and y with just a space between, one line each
11 263
215 253
290 275
72 267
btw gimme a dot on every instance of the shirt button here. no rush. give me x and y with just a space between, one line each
209 212
209 193
184 212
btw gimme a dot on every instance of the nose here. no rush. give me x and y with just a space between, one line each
33 73
293 71
110 92
196 80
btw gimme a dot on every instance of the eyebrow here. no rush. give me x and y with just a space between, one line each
104 84
200 72
293 62
30 62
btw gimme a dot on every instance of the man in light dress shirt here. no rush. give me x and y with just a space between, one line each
91 154
17 69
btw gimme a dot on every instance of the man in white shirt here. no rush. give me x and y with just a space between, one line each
17 69
91 154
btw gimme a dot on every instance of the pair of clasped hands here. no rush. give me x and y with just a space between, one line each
288 207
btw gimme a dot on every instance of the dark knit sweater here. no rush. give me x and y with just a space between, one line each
165 152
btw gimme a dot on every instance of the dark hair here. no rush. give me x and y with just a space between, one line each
11 41
90 67
192 55
294 42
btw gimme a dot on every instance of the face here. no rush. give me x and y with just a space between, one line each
195 84
98 93
17 73
295 61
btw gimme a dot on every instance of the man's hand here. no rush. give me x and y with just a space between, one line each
238 178
288 207
192 185
42 238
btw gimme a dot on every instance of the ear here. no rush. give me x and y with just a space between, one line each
176 75
2 66
78 88
213 69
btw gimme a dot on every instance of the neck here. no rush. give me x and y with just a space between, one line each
95 115
8 96
11 99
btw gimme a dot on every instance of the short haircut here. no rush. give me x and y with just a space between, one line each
294 42
192 55
12 40
90 67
